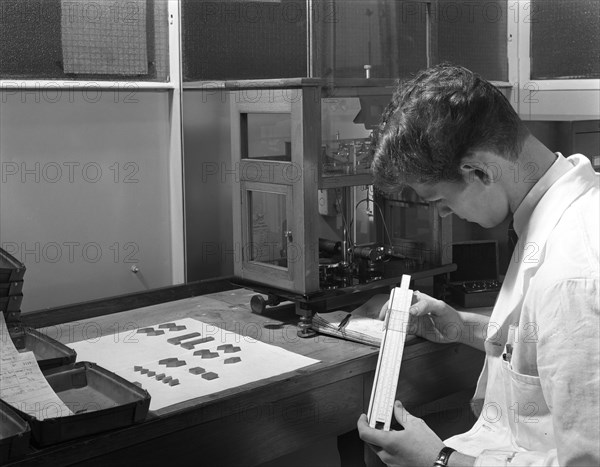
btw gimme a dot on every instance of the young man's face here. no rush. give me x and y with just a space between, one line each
470 199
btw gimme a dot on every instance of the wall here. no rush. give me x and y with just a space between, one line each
84 192
209 182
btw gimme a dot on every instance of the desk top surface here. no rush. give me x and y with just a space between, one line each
230 310
336 381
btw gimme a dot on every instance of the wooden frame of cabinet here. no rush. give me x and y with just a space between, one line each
302 99
291 179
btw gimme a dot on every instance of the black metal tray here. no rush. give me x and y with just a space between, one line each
11 269
99 399
11 303
14 434
11 288
48 352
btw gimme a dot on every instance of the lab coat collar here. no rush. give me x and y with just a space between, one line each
525 209
542 208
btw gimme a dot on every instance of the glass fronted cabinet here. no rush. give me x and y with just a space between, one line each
308 224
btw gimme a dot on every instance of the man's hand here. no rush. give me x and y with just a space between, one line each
417 445
432 319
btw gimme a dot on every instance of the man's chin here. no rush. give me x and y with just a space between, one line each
488 224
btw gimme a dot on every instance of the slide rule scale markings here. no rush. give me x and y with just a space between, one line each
383 394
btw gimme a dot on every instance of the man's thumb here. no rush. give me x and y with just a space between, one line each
402 415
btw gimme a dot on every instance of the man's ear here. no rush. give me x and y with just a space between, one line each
473 170
481 165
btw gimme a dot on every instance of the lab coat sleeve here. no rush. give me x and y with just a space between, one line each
516 459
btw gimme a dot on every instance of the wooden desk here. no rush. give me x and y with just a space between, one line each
261 421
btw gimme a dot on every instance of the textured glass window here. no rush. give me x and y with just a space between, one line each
474 35
565 39
397 37
65 39
411 20
388 35
244 39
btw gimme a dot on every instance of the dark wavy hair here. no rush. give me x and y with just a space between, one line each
434 120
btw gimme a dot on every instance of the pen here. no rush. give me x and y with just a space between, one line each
344 322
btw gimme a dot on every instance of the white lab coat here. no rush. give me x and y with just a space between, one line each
542 402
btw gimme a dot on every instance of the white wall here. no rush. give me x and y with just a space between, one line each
84 192
209 179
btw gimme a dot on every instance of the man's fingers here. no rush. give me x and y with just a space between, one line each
365 431
415 297
383 310
403 416
377 439
422 305
419 309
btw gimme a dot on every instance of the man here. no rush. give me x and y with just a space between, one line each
455 140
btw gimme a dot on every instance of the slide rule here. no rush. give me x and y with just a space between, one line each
383 394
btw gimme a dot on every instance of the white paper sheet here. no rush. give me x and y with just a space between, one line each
22 384
122 353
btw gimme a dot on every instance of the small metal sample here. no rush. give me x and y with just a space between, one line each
176 363
209 355
179 339
190 345
164 361
232 360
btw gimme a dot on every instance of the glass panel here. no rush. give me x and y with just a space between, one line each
84 40
385 34
346 145
346 157
409 228
268 225
565 39
243 39
473 35
411 21
267 136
